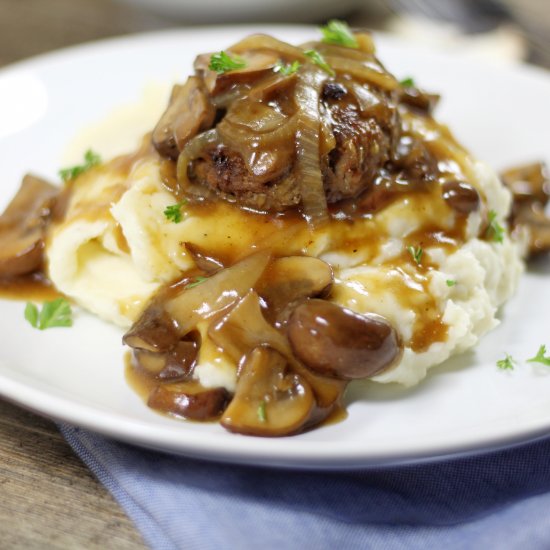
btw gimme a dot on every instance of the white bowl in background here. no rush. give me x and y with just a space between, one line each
225 11
534 16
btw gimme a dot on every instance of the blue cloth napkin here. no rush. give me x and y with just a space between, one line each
499 500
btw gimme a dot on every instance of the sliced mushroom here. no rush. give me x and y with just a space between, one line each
154 331
291 279
189 112
245 328
176 364
189 400
535 219
257 64
269 399
23 227
528 182
461 196
335 341
530 186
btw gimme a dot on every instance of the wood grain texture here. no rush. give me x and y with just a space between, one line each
48 497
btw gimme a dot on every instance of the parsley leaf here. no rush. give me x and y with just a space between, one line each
262 415
91 159
173 212
56 313
198 281
416 253
495 231
319 60
540 357
221 62
408 82
450 282
338 32
287 70
507 363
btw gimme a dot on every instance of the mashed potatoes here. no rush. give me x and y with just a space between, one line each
116 248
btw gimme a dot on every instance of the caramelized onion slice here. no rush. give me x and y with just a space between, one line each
192 150
308 163
219 292
266 42
174 314
364 72
23 227
269 400
202 260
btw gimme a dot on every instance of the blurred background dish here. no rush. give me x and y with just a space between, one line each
223 11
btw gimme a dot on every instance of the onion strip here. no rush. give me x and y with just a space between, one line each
193 150
362 72
308 164
265 42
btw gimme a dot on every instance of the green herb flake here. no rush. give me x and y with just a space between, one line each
198 281
319 60
221 62
416 253
507 363
287 70
408 82
91 159
450 282
56 313
540 357
262 415
338 32
495 231
173 212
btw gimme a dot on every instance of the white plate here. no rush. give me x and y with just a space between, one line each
76 375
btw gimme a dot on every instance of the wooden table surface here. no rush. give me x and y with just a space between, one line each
48 497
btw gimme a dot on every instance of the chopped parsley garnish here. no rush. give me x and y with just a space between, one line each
287 70
262 415
495 231
319 60
173 212
540 357
450 282
221 62
507 363
338 32
416 253
408 82
56 313
198 281
91 159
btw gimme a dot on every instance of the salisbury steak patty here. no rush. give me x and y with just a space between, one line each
285 129
361 144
